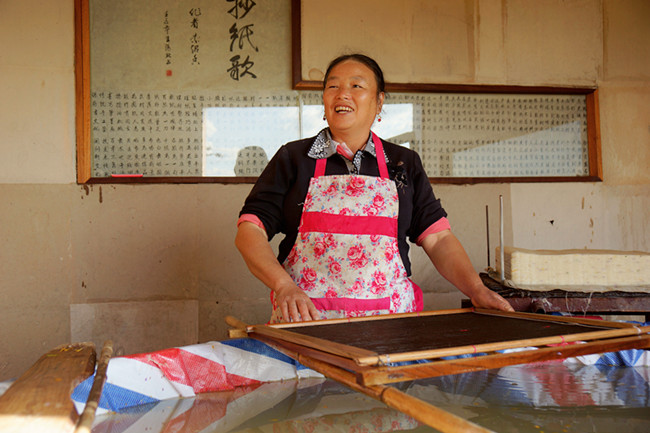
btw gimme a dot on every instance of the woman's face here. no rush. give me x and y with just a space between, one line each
350 99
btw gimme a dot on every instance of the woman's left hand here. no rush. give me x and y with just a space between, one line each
451 260
486 298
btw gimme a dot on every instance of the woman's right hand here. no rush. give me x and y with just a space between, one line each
252 243
295 304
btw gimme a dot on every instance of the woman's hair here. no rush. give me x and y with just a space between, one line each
361 58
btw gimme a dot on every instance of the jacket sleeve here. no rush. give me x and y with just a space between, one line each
427 209
266 199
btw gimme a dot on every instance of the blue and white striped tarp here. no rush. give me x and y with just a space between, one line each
149 378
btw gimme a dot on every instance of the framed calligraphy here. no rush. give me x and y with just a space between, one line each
197 91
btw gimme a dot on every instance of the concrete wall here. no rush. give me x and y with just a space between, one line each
153 266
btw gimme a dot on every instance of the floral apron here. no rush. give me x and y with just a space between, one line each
346 256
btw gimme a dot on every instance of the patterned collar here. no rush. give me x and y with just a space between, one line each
324 146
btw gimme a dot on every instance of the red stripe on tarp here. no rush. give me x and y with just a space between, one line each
205 411
351 304
322 222
186 368
565 388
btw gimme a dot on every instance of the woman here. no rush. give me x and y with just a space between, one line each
347 201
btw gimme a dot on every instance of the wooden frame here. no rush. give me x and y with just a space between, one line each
549 338
82 89
83 120
365 370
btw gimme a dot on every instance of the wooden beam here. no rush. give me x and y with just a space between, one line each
82 89
40 400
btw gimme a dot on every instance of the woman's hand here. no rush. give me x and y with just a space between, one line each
451 260
486 298
295 304
254 247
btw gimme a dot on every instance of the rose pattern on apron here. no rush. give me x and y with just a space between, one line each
346 257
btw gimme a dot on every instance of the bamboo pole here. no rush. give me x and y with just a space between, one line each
383 375
502 246
487 233
491 347
561 319
369 318
88 415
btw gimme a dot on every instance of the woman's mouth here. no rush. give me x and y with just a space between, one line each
343 109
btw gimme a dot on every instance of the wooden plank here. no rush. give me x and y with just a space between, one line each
39 401
240 328
383 375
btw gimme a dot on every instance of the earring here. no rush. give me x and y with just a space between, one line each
379 118
324 117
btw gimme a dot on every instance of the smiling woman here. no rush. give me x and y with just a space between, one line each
347 201
353 95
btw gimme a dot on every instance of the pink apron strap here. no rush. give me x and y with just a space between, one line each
381 158
320 167
351 304
419 296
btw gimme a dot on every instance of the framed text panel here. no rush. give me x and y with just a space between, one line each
163 96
